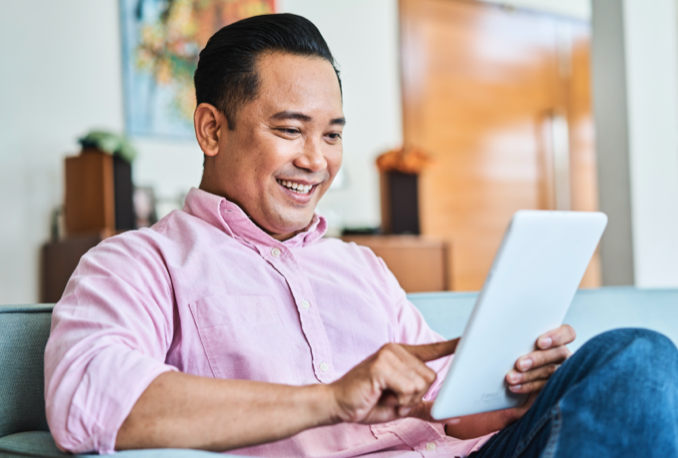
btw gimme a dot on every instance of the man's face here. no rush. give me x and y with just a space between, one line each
286 147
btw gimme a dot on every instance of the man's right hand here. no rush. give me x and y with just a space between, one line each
389 385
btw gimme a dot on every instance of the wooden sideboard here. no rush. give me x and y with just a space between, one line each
419 263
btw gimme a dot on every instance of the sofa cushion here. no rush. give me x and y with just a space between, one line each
23 335
34 443
40 443
592 312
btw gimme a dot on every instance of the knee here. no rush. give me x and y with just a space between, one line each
641 345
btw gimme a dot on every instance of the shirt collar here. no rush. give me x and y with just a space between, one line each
224 214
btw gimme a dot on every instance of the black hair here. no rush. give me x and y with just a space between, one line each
226 76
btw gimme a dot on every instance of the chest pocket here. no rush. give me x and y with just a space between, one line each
244 338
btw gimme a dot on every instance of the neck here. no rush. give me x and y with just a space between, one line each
205 186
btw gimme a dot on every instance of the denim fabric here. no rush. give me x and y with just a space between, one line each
23 336
617 395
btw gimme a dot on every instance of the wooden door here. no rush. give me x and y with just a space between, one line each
494 94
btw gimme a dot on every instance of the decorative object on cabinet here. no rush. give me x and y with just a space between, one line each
98 204
399 189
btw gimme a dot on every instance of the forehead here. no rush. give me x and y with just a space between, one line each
299 83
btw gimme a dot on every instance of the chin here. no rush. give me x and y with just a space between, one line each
296 225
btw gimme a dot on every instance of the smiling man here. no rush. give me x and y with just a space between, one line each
233 325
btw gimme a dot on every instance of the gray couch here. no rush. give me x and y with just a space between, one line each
24 331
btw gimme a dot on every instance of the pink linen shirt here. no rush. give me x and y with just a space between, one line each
207 292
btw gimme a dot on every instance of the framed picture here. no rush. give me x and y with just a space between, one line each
161 41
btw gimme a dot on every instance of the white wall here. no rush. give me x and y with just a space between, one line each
651 44
635 69
612 144
60 76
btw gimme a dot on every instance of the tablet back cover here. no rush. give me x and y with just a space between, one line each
527 292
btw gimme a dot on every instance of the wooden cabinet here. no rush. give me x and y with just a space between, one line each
419 264
90 204
59 260
496 95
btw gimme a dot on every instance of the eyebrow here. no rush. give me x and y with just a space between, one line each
303 117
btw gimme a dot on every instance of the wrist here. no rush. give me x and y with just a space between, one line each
323 404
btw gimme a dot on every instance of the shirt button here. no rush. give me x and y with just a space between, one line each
431 446
275 252
305 304
324 367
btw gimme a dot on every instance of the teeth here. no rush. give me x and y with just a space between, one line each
297 187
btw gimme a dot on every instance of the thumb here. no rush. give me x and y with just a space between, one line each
429 352
421 411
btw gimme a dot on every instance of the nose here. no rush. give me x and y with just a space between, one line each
312 157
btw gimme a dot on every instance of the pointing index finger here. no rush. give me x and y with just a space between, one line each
430 352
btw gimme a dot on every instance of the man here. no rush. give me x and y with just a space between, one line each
231 325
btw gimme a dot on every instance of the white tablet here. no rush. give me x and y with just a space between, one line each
527 292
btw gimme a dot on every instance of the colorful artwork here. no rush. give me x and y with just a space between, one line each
161 43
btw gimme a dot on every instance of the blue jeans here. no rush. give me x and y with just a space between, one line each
617 396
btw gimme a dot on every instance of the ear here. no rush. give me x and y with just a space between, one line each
210 124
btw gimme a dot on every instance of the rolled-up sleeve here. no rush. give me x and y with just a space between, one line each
110 335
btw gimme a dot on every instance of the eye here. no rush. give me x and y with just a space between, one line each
334 135
289 131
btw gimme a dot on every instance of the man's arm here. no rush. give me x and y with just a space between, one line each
185 411
178 410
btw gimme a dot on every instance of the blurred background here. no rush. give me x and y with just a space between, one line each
460 112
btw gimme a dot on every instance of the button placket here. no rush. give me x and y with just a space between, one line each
314 330
311 322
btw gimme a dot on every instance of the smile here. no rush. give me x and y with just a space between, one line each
299 188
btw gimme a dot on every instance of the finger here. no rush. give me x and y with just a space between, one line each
381 414
430 352
400 378
415 364
563 335
422 410
411 366
514 377
388 398
529 387
539 358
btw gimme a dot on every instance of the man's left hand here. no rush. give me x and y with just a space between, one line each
529 376
532 371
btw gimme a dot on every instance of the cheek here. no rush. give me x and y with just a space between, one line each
334 159
269 156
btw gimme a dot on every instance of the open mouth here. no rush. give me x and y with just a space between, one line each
299 188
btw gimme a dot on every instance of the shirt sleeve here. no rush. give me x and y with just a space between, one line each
412 329
110 334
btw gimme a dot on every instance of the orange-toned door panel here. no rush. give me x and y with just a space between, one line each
481 85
